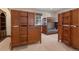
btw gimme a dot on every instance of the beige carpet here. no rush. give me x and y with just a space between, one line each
49 43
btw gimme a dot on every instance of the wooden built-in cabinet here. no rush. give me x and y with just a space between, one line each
2 26
68 27
24 30
19 28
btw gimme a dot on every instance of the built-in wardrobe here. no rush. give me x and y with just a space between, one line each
2 25
24 31
68 28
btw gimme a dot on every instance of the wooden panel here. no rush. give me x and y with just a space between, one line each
31 18
66 28
75 29
14 17
23 30
75 17
60 17
0 23
23 20
75 37
23 27
66 18
15 29
15 37
34 34
23 35
22 13
66 35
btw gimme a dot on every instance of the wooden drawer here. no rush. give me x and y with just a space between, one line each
31 40
23 38
66 35
23 29
23 21
15 31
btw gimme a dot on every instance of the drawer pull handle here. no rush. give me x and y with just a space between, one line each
15 26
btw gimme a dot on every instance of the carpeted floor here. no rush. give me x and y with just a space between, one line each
49 43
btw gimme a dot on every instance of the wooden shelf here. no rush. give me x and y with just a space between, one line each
2 17
2 26
3 22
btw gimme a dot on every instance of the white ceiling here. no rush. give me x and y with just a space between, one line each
51 10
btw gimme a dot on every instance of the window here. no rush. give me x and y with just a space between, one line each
38 19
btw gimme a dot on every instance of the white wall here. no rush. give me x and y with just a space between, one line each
46 14
8 20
